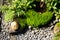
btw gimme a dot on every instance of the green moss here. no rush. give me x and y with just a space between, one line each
22 22
35 19
18 6
58 24
57 36
9 15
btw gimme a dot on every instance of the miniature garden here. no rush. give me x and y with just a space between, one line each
30 20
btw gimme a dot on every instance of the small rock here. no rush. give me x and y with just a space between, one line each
13 38
47 37
51 27
13 27
29 27
32 32
42 32
4 33
59 20
44 39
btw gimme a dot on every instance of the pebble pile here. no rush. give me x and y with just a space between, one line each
44 33
41 34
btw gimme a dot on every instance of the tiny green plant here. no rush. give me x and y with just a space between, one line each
57 14
15 8
52 4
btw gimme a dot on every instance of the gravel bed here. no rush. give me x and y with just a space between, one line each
44 33
41 34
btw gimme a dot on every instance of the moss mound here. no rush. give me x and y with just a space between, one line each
36 19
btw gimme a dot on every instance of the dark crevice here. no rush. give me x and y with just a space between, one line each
58 6
40 6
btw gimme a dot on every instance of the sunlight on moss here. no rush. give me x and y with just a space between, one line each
35 19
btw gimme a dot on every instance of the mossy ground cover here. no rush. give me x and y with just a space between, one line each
35 19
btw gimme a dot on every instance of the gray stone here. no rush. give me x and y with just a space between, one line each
36 31
4 33
43 39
